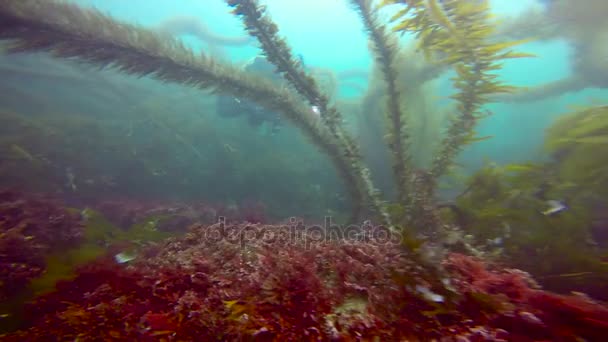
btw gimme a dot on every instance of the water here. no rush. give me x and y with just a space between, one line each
99 167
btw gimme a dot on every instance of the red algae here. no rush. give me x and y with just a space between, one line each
281 283
531 311
31 226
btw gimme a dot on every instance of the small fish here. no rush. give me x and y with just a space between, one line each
316 110
554 208
429 295
124 257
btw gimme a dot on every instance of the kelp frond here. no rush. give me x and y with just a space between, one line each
277 51
459 33
397 138
69 31
259 25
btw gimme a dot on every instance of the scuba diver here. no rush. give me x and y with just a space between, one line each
256 115
229 106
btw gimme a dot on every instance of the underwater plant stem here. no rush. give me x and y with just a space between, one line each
385 52
277 51
460 128
471 70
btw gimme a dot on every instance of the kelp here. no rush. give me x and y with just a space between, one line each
385 49
69 31
577 142
588 125
458 33
259 25
276 50
424 116
505 208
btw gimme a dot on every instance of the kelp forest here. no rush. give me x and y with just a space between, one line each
156 190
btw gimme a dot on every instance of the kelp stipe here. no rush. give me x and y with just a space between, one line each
259 25
385 49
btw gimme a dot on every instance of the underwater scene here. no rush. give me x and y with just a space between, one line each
282 170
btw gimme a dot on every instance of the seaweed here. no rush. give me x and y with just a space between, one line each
92 37
510 202
196 287
459 34
34 25
397 138
259 25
